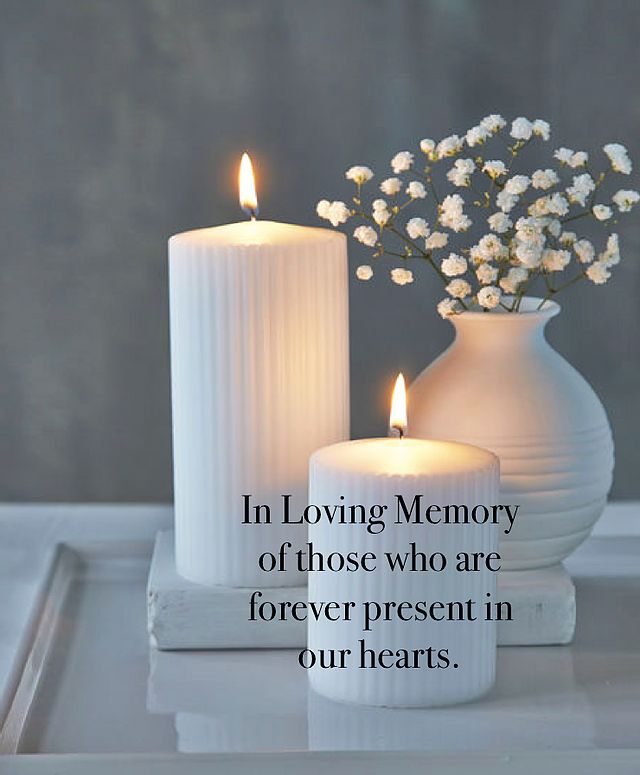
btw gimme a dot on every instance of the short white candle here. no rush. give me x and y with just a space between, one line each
375 471
259 369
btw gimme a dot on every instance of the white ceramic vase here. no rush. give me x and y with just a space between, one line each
501 386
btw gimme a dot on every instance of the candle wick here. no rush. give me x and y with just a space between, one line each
252 212
400 430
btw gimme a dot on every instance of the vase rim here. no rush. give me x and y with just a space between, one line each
529 308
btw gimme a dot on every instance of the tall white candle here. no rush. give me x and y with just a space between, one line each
376 471
259 369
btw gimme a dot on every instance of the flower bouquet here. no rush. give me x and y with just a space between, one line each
528 244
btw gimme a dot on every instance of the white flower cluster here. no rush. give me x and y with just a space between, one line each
619 158
495 168
625 200
582 186
334 212
451 215
359 174
417 227
391 186
525 211
523 129
366 235
402 162
460 173
402 276
544 179
571 158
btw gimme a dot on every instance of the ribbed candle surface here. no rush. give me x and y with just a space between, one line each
375 471
259 370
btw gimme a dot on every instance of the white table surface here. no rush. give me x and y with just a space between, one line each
106 693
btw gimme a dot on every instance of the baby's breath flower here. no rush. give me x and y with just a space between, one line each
517 249
416 190
539 208
427 145
529 230
584 250
518 184
555 260
322 208
571 158
499 222
401 276
359 174
553 204
489 296
448 307
514 277
459 289
487 274
558 204
454 265
488 248
493 123
521 128
476 135
338 213
541 128
494 168
619 158
568 237
506 201
582 186
625 199
449 146
417 227
476 256
597 273
381 216
460 173
391 186
611 255
563 155
529 254
402 161
579 159
602 212
451 215
544 179
435 240
366 235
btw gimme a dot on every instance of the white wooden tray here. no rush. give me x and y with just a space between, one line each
81 692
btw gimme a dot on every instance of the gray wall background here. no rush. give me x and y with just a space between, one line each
122 122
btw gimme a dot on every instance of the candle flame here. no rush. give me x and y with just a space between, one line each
398 416
247 185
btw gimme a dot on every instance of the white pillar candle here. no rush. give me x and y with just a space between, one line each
376 471
259 371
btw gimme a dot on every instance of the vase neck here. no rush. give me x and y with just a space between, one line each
504 330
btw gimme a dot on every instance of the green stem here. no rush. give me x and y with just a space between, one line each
576 217
393 253
553 291
573 280
433 189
